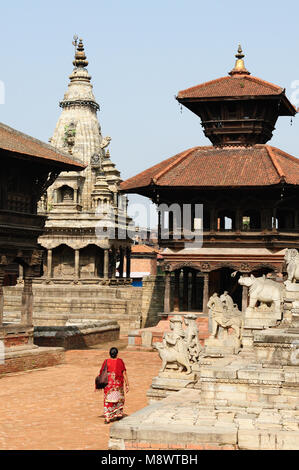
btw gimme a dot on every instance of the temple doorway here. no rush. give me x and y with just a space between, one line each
221 280
188 290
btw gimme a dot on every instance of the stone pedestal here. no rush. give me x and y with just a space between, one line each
220 347
170 381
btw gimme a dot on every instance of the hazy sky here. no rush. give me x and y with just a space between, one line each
141 53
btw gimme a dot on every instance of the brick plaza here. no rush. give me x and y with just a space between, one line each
56 408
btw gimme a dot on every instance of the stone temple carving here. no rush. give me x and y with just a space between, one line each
291 258
224 313
174 347
105 142
191 334
267 292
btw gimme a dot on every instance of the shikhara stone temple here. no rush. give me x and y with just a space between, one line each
237 389
85 273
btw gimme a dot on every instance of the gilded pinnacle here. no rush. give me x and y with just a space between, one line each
239 68
80 57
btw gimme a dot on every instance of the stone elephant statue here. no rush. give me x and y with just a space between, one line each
263 290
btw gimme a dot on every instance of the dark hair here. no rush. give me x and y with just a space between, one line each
113 352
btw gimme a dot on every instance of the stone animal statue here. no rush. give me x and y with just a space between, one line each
191 335
263 290
105 142
220 316
173 348
171 355
291 258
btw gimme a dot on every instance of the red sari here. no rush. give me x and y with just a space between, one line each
114 397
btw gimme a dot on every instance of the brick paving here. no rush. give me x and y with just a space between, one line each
56 408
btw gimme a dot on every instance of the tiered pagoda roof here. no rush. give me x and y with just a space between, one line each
238 114
259 165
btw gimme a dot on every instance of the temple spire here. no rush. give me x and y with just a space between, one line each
239 68
80 57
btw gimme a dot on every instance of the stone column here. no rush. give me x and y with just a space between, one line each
167 293
121 262
185 289
128 256
106 264
27 301
77 264
1 296
177 290
205 292
49 264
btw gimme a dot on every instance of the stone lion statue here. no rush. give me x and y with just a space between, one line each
291 258
173 349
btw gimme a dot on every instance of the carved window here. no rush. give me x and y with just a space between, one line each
225 220
251 220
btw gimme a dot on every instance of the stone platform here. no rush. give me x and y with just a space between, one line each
236 404
19 359
77 336
55 305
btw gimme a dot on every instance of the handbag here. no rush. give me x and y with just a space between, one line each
101 380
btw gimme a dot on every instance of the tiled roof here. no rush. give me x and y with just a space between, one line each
15 141
259 165
236 85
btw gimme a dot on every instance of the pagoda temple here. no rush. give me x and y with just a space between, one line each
248 189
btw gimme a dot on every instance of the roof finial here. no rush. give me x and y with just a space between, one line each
239 65
80 57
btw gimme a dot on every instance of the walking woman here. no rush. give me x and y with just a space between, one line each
114 397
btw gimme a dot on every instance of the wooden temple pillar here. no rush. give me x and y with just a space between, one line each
167 293
121 262
185 289
205 292
194 290
176 306
113 262
128 265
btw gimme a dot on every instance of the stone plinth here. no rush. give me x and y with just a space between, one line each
78 336
277 346
170 381
220 347
56 305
